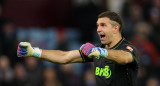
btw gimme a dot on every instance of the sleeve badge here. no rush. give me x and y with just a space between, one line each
129 48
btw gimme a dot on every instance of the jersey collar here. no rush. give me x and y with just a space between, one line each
120 42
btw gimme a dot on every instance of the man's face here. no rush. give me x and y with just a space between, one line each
105 30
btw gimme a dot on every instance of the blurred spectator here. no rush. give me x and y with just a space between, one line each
1 26
1 10
8 40
136 12
156 4
148 52
34 72
6 73
89 78
154 19
142 76
62 39
134 16
68 78
19 75
115 5
50 78
152 81
1 7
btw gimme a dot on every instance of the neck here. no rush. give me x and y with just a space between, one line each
115 40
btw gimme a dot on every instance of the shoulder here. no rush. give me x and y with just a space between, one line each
127 46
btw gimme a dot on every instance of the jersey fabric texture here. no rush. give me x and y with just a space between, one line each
109 73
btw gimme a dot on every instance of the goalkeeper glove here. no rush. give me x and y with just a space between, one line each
25 50
90 50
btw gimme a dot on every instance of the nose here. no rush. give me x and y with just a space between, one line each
99 29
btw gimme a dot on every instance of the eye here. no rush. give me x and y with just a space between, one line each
103 24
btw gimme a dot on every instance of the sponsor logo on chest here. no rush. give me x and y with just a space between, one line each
106 72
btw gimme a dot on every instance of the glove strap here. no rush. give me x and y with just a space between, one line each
37 52
103 52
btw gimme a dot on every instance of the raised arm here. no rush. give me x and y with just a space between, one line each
61 57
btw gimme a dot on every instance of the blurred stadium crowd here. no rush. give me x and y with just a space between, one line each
66 25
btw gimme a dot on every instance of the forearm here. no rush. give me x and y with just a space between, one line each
119 56
61 57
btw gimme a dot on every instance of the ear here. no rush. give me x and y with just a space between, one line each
116 28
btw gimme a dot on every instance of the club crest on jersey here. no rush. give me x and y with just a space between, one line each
129 48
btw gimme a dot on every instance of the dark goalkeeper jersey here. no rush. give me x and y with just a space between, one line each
109 73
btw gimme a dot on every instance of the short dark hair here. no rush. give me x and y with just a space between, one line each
112 16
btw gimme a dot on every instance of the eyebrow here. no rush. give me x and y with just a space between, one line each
100 23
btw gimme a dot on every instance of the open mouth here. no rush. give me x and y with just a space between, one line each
102 36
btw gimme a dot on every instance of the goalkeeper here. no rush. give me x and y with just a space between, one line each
115 59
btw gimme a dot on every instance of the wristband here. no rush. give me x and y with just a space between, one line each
37 52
